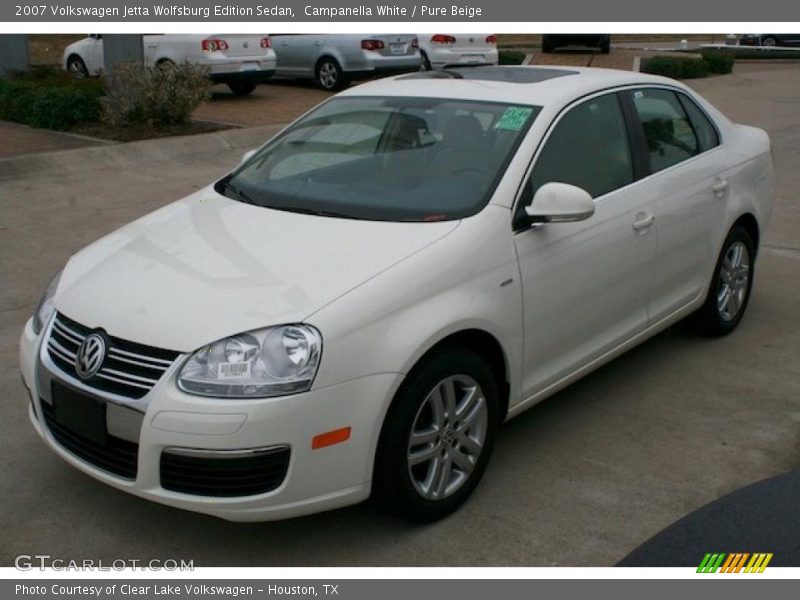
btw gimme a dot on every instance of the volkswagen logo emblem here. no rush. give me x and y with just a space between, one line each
245 45
90 356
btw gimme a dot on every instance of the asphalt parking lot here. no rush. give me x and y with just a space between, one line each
580 480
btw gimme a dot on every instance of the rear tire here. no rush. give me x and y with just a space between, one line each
329 75
241 88
547 46
438 435
729 291
605 46
426 63
769 40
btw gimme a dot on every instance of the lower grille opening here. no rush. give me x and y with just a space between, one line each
116 456
258 473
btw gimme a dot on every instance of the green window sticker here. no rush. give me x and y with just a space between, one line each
514 118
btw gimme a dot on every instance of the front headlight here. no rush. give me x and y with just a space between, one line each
46 307
275 361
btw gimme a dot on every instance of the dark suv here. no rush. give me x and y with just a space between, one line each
593 40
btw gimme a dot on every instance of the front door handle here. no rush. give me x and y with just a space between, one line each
719 187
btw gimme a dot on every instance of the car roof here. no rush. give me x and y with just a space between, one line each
539 85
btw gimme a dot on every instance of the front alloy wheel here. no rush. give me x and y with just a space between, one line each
438 435
447 437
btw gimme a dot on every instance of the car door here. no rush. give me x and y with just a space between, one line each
585 284
297 53
689 184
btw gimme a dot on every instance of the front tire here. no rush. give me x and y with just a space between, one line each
77 68
438 435
729 292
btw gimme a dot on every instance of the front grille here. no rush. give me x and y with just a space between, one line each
129 369
116 456
211 476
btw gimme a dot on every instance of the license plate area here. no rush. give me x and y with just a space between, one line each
398 48
81 414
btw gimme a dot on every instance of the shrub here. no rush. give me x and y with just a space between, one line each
677 67
718 61
47 97
154 96
511 57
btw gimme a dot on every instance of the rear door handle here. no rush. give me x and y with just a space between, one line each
643 221
719 187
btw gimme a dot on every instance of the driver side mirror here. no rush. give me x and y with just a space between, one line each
560 202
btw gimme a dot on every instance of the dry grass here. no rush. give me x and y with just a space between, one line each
47 49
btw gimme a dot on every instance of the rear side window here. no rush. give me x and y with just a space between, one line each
588 148
704 129
669 134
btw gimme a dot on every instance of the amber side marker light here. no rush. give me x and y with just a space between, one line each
330 438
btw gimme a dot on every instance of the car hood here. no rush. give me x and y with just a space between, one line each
207 267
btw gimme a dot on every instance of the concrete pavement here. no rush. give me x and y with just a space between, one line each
581 479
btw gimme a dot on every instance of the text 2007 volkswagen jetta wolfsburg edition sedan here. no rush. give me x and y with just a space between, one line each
363 300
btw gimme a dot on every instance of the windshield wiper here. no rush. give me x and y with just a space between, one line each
312 211
239 193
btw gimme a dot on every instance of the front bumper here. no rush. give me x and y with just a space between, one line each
316 480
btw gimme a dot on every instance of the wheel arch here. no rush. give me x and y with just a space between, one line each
485 345
749 223
72 55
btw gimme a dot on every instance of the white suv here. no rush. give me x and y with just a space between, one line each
239 60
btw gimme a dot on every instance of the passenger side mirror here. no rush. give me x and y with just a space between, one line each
560 202
247 155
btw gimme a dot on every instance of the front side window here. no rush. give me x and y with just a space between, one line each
588 148
669 134
397 159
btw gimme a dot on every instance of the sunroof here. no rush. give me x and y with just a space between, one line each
491 73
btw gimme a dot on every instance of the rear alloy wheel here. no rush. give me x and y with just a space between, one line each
769 41
730 287
241 88
438 436
329 75
77 68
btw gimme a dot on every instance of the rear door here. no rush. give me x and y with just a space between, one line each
297 53
690 186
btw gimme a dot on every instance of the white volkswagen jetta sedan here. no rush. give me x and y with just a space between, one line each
359 304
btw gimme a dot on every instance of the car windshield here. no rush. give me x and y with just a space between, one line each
387 159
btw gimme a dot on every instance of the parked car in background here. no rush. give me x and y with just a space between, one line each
241 61
770 39
601 41
441 50
359 304
334 60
